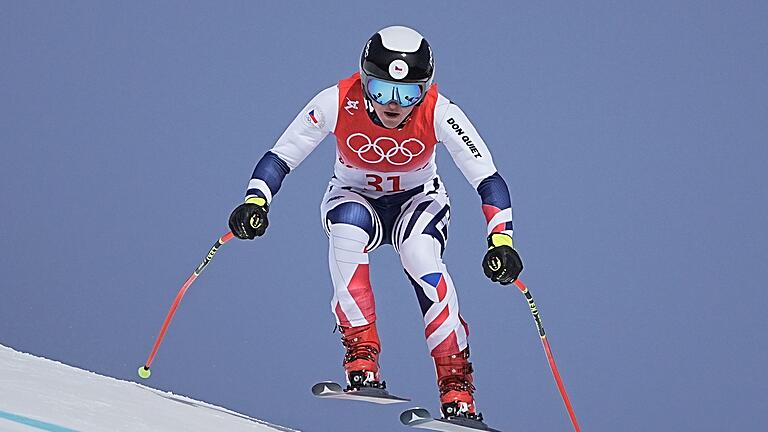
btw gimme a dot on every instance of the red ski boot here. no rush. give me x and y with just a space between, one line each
454 378
361 362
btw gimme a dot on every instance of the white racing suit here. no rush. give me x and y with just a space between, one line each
385 190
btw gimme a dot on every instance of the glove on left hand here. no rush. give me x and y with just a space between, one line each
501 263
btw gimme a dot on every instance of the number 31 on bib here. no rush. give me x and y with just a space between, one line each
379 183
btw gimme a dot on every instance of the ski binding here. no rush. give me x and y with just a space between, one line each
333 390
421 418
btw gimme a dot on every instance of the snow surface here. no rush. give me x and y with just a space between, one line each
39 394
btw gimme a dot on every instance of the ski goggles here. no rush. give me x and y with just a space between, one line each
384 92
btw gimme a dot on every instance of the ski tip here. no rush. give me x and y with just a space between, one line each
415 416
326 388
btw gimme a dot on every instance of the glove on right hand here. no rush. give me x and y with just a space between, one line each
249 220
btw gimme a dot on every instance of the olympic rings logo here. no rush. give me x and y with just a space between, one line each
396 153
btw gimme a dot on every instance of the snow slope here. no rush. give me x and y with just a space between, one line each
39 394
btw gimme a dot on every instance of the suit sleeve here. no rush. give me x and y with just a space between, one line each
474 160
313 123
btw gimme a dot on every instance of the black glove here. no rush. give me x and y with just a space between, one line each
249 220
501 263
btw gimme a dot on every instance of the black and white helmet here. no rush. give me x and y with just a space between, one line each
400 55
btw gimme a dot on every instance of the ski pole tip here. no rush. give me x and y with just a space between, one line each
144 372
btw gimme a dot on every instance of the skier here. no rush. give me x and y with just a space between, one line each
388 119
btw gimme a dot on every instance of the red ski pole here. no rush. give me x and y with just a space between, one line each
144 370
548 350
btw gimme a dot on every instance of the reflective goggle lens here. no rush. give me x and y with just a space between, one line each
384 92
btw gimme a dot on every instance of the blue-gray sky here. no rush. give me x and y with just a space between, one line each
633 137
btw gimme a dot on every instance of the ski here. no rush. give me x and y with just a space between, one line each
333 390
422 419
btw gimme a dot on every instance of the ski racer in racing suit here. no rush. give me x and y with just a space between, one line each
388 120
